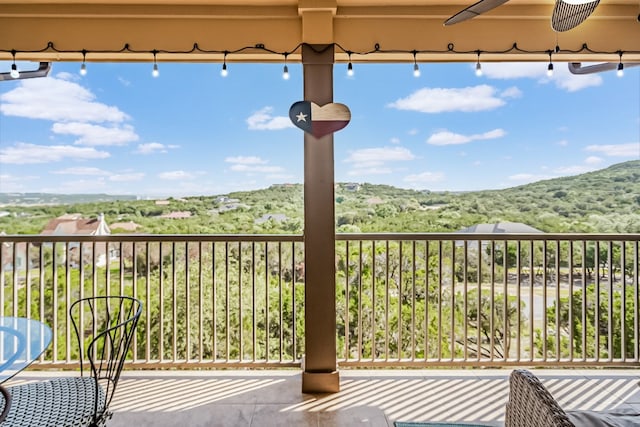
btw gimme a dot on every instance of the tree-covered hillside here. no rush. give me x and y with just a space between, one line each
603 201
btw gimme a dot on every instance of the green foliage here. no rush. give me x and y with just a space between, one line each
604 201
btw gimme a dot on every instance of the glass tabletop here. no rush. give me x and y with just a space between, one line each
22 341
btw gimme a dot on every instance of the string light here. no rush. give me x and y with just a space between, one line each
224 72
620 71
450 49
83 67
285 70
14 68
550 66
155 72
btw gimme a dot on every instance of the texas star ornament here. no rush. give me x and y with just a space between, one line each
319 120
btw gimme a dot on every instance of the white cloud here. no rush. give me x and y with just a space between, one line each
369 171
153 147
127 177
246 160
616 150
563 143
593 160
23 153
425 177
373 161
281 177
176 175
573 170
413 132
91 171
371 157
253 168
264 120
395 140
57 99
527 177
513 70
449 138
253 164
511 92
438 100
94 135
562 78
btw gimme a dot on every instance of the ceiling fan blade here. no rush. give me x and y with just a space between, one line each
42 71
567 15
474 10
579 69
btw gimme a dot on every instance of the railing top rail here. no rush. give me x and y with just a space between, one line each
38 238
473 237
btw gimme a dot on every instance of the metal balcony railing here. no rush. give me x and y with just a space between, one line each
406 300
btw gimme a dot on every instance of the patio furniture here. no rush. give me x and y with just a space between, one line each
531 405
104 327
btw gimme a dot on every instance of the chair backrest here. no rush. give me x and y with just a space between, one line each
104 326
531 405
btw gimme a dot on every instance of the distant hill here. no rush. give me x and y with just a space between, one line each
57 199
603 201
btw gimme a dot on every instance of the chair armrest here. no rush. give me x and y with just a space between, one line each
7 403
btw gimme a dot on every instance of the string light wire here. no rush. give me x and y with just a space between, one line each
195 49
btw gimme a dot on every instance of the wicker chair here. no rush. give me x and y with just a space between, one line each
104 327
531 405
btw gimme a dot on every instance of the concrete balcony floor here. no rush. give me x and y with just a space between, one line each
367 397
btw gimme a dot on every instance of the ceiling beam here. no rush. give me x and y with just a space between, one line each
103 30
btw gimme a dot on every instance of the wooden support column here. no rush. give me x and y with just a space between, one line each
320 373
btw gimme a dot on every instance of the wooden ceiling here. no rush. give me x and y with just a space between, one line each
60 30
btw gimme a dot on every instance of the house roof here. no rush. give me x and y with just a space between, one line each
70 225
104 27
500 227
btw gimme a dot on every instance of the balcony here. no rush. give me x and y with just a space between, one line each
436 303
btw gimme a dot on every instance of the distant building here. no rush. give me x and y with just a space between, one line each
162 202
126 226
500 227
495 228
271 217
70 224
177 215
76 225
351 186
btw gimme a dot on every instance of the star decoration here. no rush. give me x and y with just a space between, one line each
301 117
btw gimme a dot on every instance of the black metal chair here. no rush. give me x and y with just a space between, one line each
104 326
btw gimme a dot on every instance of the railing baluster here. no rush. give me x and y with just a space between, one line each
377 332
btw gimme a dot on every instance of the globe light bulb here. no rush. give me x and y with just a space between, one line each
620 71
285 73
224 72
155 72
550 70
350 69
14 71
478 69
83 69
416 70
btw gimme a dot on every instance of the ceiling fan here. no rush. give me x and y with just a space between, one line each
567 14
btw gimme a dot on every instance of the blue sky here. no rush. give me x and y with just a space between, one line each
190 131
